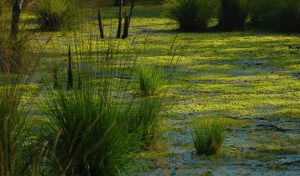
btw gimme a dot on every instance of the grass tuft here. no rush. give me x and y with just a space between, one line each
150 79
208 136
90 133
145 120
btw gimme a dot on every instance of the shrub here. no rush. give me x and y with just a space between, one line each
279 15
150 79
193 15
145 120
93 138
208 136
56 14
233 15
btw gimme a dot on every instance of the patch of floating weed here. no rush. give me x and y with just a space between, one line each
275 149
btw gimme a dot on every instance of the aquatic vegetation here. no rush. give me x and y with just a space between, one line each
110 123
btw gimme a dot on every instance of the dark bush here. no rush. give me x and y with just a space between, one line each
233 15
56 14
278 15
193 15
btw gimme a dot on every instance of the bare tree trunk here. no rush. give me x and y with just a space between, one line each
100 25
120 19
131 9
16 12
127 21
70 72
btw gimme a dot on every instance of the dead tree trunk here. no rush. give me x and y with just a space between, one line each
120 19
131 9
100 25
70 72
127 21
16 13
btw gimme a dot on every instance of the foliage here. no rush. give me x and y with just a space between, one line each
150 79
1 7
16 142
56 14
90 133
280 15
208 136
193 15
14 52
233 15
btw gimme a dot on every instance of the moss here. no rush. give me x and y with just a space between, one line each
251 156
